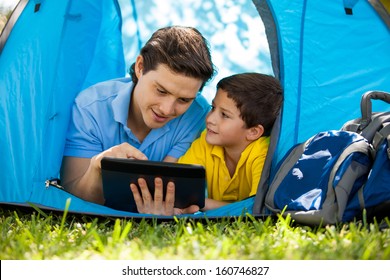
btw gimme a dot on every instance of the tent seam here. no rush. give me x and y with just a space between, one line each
299 86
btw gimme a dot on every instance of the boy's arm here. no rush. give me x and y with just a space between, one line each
212 204
170 159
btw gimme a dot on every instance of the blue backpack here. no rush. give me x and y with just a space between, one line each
335 174
374 196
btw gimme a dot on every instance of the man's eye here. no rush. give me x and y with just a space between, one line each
184 100
161 91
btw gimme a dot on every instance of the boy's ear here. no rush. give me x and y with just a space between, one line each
255 132
139 66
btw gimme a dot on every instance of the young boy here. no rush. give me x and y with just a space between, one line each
234 145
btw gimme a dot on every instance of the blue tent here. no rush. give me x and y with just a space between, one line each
326 54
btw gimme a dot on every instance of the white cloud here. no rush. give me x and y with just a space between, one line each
8 4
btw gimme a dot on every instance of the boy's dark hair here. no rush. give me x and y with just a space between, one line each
258 97
183 49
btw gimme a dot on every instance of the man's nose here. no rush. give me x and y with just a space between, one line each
168 107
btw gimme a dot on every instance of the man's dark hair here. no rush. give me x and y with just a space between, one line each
258 97
183 49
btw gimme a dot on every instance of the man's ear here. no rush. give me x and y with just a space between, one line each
139 66
255 132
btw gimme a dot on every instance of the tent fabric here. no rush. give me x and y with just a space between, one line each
69 46
328 60
43 66
328 57
325 57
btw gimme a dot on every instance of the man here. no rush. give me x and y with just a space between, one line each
154 115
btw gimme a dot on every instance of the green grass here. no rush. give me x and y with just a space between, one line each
38 235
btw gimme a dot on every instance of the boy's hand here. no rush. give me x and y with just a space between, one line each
157 205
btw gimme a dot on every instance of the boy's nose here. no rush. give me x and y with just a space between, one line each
210 117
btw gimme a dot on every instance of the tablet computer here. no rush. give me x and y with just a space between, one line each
118 173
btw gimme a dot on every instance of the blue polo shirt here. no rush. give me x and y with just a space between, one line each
99 122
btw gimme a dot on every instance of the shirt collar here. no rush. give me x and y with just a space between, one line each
218 151
121 103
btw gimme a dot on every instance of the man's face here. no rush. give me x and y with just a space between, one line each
162 95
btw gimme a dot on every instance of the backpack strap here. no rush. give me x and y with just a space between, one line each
380 136
263 186
285 168
361 198
362 147
366 105
369 123
377 121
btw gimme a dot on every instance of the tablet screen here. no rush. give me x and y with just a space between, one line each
117 174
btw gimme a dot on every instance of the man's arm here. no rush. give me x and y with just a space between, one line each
82 176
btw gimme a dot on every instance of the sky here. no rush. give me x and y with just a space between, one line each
233 28
8 4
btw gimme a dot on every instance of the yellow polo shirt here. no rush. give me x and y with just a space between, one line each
220 185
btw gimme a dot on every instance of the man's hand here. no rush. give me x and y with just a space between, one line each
124 150
82 176
157 205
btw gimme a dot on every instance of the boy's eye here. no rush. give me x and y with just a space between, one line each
224 115
212 107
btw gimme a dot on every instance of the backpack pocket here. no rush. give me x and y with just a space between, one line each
315 179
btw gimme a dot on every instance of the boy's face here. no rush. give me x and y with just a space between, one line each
162 95
224 124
